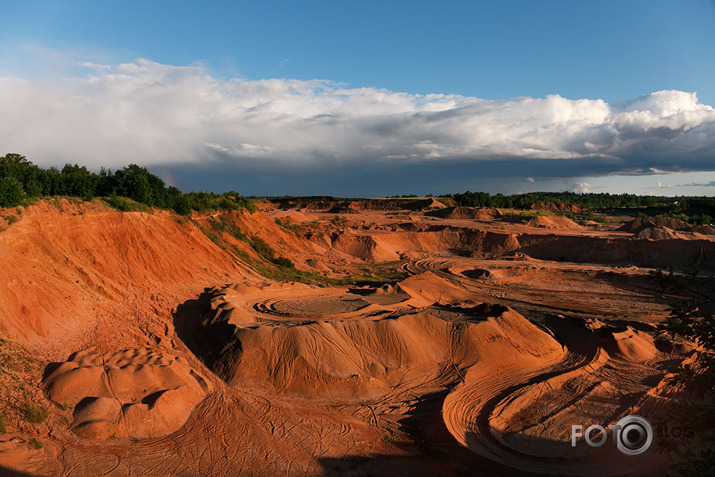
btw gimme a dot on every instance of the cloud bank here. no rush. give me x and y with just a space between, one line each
155 114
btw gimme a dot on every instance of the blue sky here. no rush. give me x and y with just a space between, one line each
435 97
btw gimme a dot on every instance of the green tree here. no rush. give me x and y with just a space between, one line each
11 192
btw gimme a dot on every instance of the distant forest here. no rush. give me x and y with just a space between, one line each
589 200
20 179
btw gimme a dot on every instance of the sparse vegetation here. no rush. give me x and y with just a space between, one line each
338 220
295 229
224 224
124 204
391 436
589 215
3 423
527 213
36 443
34 413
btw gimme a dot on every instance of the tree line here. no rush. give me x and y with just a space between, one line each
593 201
20 179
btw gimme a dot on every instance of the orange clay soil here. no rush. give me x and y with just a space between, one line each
145 343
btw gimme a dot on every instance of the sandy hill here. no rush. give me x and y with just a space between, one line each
465 213
553 223
66 271
703 229
556 208
635 225
651 231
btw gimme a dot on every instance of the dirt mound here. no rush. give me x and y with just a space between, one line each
553 223
134 392
630 344
364 356
651 231
427 288
703 229
637 224
462 213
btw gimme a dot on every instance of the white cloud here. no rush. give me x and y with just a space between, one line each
530 180
582 187
95 66
151 113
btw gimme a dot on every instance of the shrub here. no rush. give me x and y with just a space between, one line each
283 262
3 423
34 413
36 443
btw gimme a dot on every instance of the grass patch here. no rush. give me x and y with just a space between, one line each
3 423
295 229
527 213
391 436
223 224
601 219
34 413
36 443
124 204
